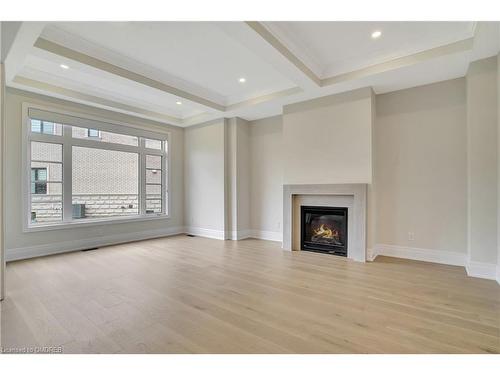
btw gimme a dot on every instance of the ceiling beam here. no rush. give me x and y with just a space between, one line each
65 52
82 58
17 41
260 29
416 58
456 47
245 33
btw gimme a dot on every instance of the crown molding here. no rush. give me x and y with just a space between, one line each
79 97
18 38
264 98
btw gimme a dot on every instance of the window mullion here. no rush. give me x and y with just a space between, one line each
142 176
67 174
163 184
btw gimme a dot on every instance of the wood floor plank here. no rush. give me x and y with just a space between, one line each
196 295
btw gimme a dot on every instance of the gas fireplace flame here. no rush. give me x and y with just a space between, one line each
325 232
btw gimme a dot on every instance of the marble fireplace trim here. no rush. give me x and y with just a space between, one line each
357 233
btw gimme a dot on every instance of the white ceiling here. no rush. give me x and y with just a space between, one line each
92 81
332 48
194 52
200 63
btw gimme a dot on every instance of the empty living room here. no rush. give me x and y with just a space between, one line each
275 185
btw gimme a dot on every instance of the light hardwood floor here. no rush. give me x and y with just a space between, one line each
196 295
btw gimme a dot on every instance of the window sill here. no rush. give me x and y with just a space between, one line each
93 222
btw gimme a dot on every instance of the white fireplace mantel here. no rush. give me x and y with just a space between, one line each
357 229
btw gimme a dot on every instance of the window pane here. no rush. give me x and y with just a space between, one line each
46 151
45 127
46 196
103 136
36 126
153 206
46 202
153 143
105 183
58 128
153 184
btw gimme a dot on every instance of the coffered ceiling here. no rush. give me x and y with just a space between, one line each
331 48
185 73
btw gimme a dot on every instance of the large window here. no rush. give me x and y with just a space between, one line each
83 170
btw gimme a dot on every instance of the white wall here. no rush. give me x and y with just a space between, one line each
498 169
217 179
237 178
204 164
419 168
2 259
242 175
230 178
2 223
266 193
18 242
329 140
482 160
420 171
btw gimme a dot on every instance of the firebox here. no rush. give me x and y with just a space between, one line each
324 229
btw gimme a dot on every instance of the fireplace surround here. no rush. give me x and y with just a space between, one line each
352 196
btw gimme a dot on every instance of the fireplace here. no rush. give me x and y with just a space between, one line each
324 229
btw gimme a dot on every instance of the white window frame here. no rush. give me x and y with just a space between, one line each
68 119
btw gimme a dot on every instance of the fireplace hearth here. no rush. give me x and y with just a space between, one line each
324 229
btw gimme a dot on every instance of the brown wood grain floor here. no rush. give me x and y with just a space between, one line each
197 295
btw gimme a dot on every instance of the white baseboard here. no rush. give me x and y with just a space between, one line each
237 235
473 269
498 273
425 255
87 243
267 235
370 255
482 270
203 232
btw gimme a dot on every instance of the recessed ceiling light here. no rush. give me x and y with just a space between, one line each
376 34
242 80
64 66
178 102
